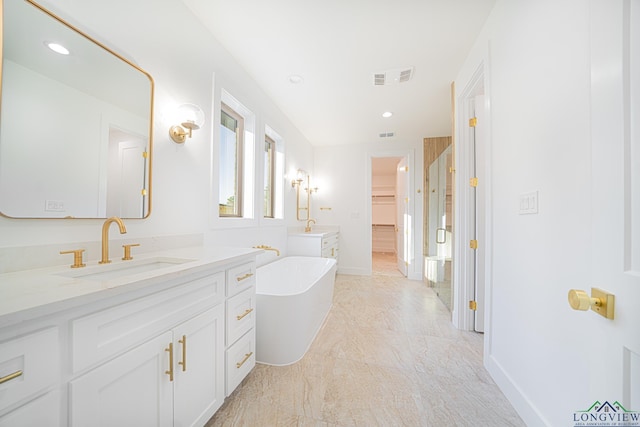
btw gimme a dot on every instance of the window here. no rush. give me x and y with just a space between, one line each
231 155
269 176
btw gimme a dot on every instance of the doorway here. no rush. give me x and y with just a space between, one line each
385 220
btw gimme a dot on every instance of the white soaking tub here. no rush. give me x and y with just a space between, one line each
293 298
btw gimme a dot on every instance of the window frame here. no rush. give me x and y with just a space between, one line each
239 172
271 152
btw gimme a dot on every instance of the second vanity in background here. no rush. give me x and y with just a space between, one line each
320 242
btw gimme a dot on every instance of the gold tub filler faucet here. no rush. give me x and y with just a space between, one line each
268 248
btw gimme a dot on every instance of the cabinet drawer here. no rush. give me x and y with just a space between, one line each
240 315
329 241
43 411
241 358
240 278
28 364
111 331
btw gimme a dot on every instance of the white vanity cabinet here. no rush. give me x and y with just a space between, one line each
174 377
324 245
154 354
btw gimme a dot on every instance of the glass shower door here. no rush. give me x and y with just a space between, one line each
439 226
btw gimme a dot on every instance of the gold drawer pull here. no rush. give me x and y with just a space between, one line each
247 311
9 377
246 357
246 276
170 371
183 341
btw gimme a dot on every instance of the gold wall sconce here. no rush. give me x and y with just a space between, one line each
191 118
298 178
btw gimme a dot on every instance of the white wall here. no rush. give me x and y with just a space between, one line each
344 178
168 42
537 68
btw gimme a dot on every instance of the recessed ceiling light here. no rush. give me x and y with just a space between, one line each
387 114
295 79
57 48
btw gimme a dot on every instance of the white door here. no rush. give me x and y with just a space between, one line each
199 367
131 390
615 264
403 232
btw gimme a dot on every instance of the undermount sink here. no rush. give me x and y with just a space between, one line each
117 270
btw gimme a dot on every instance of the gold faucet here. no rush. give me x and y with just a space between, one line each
105 237
268 248
308 227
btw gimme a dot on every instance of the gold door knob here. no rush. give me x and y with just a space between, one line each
580 300
600 301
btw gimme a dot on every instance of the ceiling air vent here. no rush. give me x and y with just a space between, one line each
394 76
386 135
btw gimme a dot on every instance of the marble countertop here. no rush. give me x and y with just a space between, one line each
37 292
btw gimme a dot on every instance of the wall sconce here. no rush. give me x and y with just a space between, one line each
191 118
297 180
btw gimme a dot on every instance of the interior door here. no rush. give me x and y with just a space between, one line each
403 220
615 139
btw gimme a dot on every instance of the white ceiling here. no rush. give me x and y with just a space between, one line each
337 45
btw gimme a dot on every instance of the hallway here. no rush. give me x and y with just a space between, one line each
388 356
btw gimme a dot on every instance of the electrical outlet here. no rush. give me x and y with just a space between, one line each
54 206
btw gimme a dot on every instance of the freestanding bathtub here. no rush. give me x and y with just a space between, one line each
293 298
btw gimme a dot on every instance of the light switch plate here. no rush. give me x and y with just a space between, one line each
528 203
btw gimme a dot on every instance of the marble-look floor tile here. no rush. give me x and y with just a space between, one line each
387 355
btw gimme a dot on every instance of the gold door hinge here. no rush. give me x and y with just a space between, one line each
143 192
452 170
473 244
473 305
145 154
473 122
473 182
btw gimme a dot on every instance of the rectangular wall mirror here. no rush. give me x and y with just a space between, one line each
75 128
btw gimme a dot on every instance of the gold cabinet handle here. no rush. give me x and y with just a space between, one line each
183 341
243 277
246 357
9 377
170 371
246 312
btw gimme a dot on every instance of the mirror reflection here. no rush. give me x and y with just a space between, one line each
75 123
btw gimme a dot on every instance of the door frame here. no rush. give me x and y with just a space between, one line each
463 285
414 271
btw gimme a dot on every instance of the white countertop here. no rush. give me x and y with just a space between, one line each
316 231
30 293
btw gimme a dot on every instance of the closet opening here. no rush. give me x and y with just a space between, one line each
386 217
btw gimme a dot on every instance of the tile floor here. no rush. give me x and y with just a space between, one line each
387 355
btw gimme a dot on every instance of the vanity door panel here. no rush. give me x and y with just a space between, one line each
131 390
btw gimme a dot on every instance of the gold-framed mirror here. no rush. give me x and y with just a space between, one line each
76 128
